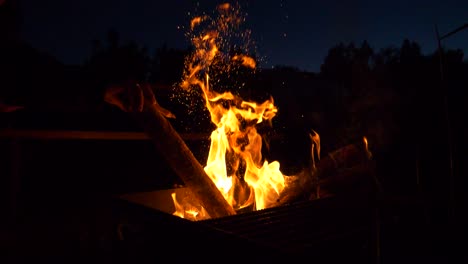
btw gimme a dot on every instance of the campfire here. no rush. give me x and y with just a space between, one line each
236 177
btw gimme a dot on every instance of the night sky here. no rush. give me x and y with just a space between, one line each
292 33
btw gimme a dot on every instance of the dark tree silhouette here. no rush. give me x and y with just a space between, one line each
115 64
167 65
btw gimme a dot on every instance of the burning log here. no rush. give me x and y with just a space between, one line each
142 104
339 168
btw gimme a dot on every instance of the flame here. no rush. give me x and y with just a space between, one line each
315 146
195 21
245 60
185 209
179 209
224 6
366 146
235 162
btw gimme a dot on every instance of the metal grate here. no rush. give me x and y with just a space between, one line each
335 227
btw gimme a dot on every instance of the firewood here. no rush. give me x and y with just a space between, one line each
341 167
345 157
344 180
153 119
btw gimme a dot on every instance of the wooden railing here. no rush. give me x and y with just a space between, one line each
92 135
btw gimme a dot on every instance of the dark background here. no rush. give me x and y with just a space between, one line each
344 70
296 33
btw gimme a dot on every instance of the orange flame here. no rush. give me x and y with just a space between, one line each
315 146
366 146
245 60
187 210
224 6
235 162
195 21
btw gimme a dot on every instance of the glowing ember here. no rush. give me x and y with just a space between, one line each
235 162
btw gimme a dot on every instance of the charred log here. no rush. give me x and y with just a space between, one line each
335 171
343 158
345 180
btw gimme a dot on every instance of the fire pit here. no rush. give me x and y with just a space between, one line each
239 197
315 230
235 201
236 176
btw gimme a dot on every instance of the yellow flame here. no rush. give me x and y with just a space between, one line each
179 209
235 162
236 138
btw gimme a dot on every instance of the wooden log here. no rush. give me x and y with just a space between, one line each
345 157
153 119
298 187
345 180
343 166
346 176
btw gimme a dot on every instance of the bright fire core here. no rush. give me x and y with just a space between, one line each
235 162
